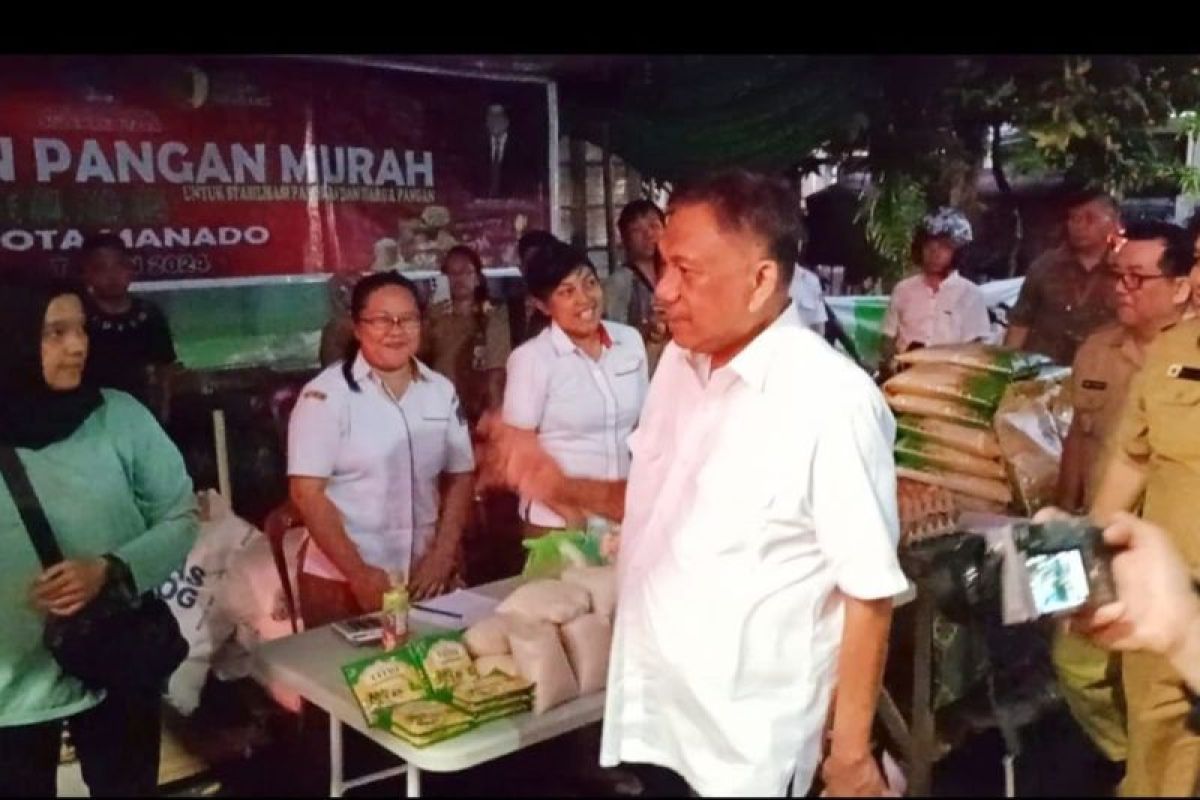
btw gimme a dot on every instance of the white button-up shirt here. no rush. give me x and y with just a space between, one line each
583 409
760 496
382 457
954 313
808 297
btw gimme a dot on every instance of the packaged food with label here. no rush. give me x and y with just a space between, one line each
394 615
381 682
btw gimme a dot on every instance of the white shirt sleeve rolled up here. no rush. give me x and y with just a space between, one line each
853 491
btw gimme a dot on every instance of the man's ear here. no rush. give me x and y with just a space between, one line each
768 279
1183 291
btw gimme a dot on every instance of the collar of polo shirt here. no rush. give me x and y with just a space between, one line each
754 362
564 346
364 371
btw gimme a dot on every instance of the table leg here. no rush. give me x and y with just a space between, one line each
923 733
336 775
413 781
893 722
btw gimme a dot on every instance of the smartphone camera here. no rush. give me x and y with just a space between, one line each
1068 565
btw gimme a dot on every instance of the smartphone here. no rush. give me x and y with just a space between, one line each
1059 581
1068 564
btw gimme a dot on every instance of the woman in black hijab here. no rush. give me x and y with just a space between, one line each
33 414
120 504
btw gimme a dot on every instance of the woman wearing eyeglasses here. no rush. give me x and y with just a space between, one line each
368 443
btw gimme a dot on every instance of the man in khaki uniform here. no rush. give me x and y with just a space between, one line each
1155 452
1100 378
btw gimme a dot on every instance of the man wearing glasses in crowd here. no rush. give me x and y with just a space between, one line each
1153 459
1150 274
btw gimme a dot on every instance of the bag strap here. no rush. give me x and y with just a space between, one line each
29 507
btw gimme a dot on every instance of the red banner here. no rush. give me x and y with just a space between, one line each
228 167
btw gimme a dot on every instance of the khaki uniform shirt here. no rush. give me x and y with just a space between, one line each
1100 378
1160 430
464 348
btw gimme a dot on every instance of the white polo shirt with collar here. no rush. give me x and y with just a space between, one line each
954 313
760 496
382 457
583 409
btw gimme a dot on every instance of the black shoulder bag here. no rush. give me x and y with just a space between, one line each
117 641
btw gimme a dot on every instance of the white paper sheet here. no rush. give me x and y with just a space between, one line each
466 606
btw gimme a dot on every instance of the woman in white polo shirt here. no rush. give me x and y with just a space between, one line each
368 442
580 383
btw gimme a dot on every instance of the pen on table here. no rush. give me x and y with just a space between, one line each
436 611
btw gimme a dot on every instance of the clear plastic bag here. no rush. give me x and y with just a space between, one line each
1031 425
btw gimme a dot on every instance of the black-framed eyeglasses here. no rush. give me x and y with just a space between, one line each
1133 280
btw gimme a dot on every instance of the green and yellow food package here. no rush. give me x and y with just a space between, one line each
490 690
381 682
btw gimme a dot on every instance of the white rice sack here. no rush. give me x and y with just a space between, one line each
548 601
489 636
486 665
540 658
193 591
601 585
588 640
253 598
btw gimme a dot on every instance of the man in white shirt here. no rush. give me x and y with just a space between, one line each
809 299
758 556
937 305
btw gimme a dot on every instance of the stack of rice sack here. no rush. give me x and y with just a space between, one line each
945 402
555 633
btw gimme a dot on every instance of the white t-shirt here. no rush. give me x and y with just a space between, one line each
582 409
954 313
754 506
382 457
809 299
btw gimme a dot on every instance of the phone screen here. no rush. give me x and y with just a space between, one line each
1058 580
